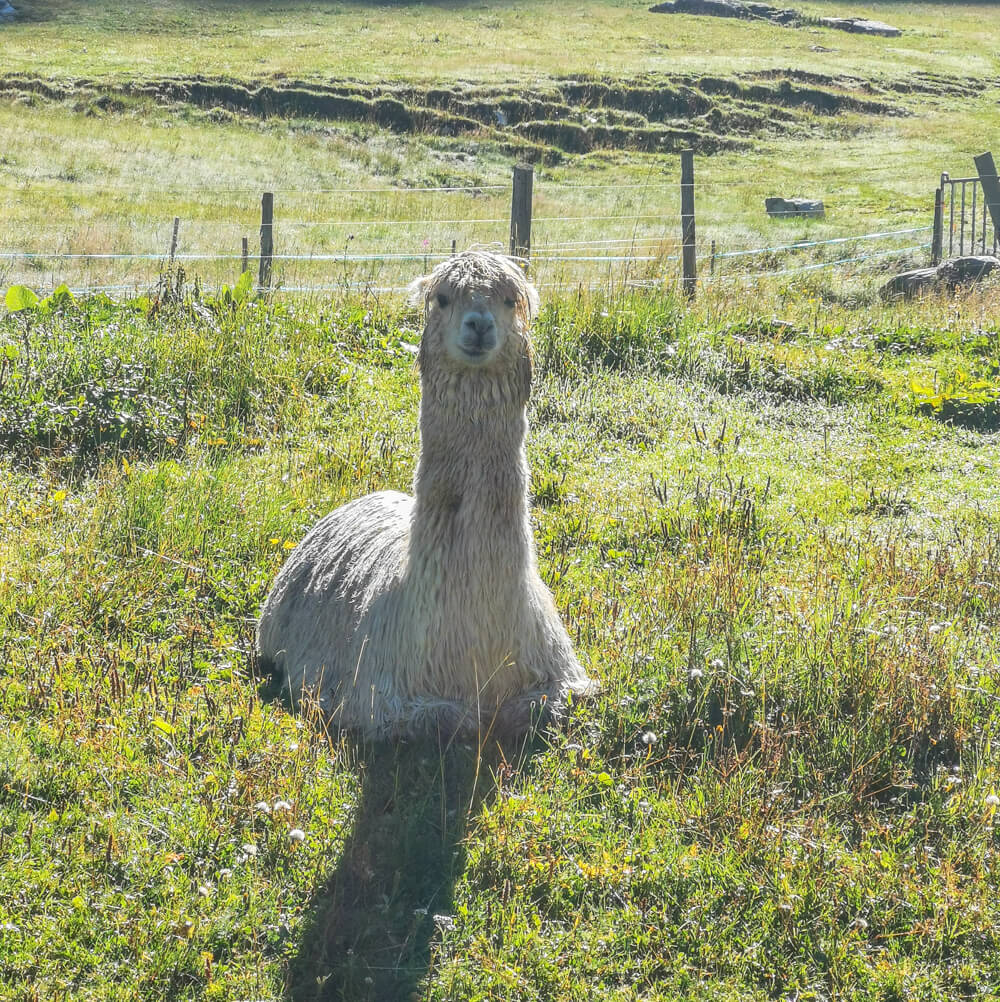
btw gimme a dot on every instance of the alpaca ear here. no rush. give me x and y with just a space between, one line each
416 291
534 303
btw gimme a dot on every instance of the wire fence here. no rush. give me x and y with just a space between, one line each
333 240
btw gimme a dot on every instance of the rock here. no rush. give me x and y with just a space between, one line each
860 26
776 14
710 8
949 274
965 270
909 283
751 10
729 8
785 208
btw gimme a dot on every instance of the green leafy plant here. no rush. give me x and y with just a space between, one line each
235 297
965 401
20 297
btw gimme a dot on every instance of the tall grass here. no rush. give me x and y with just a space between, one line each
787 587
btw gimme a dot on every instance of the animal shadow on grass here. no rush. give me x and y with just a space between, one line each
369 928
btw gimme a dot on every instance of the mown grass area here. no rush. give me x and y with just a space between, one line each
781 568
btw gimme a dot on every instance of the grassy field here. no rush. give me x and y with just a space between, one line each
110 133
769 518
783 573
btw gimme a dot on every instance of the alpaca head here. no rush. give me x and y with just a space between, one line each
478 308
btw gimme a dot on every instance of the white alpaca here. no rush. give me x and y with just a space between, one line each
402 615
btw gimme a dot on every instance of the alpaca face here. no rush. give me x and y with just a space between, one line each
478 307
473 327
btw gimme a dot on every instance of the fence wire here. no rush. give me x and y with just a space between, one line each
570 249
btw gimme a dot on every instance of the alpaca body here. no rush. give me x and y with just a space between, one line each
402 614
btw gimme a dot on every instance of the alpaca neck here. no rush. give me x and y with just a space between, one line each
472 478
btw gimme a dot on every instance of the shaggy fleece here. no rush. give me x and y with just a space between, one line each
401 615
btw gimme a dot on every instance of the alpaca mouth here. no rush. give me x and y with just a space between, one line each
476 355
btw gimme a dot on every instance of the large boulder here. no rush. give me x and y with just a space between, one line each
755 10
728 8
860 26
950 274
711 8
787 208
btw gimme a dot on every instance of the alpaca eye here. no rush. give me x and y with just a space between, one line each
509 303
442 300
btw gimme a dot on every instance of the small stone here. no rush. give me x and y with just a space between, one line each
789 208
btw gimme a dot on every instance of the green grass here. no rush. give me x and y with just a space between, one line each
769 518
782 572
455 39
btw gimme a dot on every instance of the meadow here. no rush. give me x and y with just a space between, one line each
347 111
769 518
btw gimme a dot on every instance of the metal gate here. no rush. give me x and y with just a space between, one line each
966 226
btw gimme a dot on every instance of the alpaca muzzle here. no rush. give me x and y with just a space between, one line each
478 338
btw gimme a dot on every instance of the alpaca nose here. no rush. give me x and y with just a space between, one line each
478 331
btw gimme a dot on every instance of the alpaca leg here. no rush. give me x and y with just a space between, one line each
428 717
540 707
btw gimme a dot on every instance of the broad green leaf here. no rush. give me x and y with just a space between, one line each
243 288
20 297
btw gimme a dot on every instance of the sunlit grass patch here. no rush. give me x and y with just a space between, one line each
783 575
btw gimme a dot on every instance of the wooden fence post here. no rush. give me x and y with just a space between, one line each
245 257
173 240
688 258
991 189
937 240
266 239
520 211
